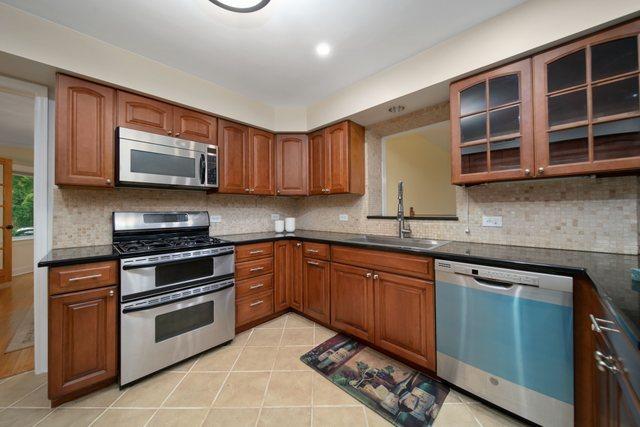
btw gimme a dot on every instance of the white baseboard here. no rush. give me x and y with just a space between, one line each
22 270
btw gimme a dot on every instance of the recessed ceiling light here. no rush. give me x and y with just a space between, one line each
323 49
396 109
241 6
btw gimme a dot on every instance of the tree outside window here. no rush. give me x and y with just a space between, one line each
22 205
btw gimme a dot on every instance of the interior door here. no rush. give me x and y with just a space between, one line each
6 221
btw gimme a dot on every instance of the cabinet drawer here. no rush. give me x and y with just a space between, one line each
254 251
393 262
253 286
316 250
254 307
82 276
254 268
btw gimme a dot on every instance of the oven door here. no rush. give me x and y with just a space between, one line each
153 164
152 338
138 281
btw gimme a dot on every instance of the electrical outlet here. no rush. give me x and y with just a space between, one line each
491 221
215 219
275 217
344 217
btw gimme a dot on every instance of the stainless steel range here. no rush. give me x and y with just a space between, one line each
177 289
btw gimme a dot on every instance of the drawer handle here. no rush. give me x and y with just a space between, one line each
313 251
597 327
259 285
256 252
256 269
313 263
92 276
253 304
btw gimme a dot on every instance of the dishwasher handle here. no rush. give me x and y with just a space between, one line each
490 283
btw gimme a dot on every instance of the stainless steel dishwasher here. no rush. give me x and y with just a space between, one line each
507 336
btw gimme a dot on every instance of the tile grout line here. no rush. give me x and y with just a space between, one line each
226 378
266 390
110 406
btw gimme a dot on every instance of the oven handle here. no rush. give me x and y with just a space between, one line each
149 307
173 261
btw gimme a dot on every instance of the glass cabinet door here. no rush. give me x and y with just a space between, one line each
587 104
491 125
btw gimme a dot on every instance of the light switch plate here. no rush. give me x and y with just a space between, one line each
275 217
215 218
344 217
491 221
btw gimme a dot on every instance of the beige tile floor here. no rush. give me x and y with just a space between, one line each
258 380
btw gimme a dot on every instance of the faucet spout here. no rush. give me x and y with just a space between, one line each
403 227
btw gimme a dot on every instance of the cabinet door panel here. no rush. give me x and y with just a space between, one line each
85 118
352 300
291 165
145 114
317 163
262 162
233 155
337 140
283 273
316 293
614 57
297 275
405 318
194 126
82 340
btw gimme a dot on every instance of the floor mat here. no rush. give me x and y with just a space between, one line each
402 395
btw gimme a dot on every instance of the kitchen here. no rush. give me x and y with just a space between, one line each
148 176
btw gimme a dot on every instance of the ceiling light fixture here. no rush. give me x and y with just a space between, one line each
396 109
241 6
323 49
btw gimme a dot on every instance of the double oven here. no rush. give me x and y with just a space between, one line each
174 305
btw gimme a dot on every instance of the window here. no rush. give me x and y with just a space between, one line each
22 205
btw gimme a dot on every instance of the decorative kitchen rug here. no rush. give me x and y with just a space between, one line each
401 395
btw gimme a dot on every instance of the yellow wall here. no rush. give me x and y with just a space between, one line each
20 155
423 161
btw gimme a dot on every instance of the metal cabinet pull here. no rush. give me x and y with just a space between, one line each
259 285
376 277
257 251
605 363
368 275
597 327
313 251
256 269
298 244
313 263
111 293
93 276
253 304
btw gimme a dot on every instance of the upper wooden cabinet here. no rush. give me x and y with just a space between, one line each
85 116
587 104
336 160
233 147
145 114
492 125
149 115
262 163
292 165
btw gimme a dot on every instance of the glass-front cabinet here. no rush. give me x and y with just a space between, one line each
491 126
586 105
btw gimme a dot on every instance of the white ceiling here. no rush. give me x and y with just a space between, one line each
269 55
16 120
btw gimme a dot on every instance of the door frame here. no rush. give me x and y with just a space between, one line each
42 205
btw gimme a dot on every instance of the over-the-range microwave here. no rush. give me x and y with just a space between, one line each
148 160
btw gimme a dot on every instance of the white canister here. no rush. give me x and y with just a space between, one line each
279 226
290 225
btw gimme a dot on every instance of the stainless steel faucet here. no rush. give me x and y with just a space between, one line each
403 228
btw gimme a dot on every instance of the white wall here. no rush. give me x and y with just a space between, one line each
22 257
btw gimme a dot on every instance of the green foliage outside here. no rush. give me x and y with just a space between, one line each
22 202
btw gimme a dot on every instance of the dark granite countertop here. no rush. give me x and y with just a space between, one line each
609 272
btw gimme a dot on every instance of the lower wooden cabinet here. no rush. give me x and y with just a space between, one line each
352 307
297 275
283 257
254 307
82 341
405 317
316 293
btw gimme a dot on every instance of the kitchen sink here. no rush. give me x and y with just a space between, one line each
396 242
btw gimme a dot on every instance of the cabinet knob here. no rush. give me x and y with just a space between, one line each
178 134
376 277
368 275
108 181
540 170
246 190
168 132
298 244
251 190
277 191
527 172
111 293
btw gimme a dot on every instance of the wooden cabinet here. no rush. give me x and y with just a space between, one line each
292 165
352 308
336 160
297 275
315 292
82 342
492 125
587 114
85 117
257 287
405 317
194 126
283 258
82 276
145 114
262 166
233 147
253 308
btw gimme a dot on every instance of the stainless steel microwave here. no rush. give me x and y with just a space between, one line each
148 160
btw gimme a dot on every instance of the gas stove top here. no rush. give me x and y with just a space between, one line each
163 244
